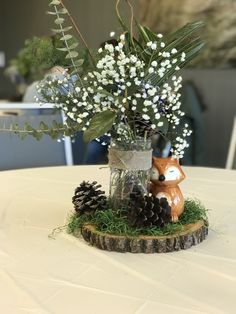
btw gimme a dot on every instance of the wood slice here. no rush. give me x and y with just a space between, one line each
191 235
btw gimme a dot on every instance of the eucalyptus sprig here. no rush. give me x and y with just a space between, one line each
60 12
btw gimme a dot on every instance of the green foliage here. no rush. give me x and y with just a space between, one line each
99 125
45 56
55 130
115 222
194 210
186 40
70 43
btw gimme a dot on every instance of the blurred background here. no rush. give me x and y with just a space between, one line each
209 91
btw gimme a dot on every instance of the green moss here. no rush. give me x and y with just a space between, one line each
113 222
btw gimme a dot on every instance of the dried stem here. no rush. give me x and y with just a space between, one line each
131 20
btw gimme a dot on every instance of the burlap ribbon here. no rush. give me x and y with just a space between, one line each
130 160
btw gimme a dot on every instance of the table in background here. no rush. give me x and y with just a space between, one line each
41 275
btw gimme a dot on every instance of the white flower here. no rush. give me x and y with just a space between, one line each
160 124
156 98
122 37
147 103
145 117
151 70
109 47
112 34
159 35
151 92
154 46
162 44
134 59
166 54
174 50
154 63
157 116
149 43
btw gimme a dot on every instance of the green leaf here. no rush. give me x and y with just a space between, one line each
151 35
78 62
99 125
61 11
59 20
55 2
66 37
142 33
72 54
62 49
43 126
60 30
74 45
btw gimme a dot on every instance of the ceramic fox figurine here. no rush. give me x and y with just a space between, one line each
166 174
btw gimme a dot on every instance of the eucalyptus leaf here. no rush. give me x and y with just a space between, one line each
62 49
61 11
79 62
66 37
74 45
62 30
99 125
59 20
55 2
43 126
72 54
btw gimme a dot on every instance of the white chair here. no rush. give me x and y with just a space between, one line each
16 153
231 158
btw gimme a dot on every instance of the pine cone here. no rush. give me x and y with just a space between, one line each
148 211
88 198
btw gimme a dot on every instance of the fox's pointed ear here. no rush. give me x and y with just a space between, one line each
153 160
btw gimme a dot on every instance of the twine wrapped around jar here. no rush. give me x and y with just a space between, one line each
130 159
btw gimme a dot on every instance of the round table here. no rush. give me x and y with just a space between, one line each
65 275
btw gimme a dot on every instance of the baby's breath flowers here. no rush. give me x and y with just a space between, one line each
129 89
121 83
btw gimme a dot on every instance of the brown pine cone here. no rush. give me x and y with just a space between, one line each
88 198
148 211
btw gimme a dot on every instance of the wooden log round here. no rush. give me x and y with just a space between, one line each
191 235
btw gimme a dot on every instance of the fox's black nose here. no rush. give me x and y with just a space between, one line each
162 177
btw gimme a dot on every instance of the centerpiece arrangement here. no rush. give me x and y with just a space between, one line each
129 97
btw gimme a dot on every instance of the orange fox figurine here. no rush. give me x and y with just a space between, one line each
166 174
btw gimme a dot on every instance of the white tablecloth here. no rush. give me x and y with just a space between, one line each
65 276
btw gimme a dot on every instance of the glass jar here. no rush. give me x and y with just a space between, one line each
130 165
